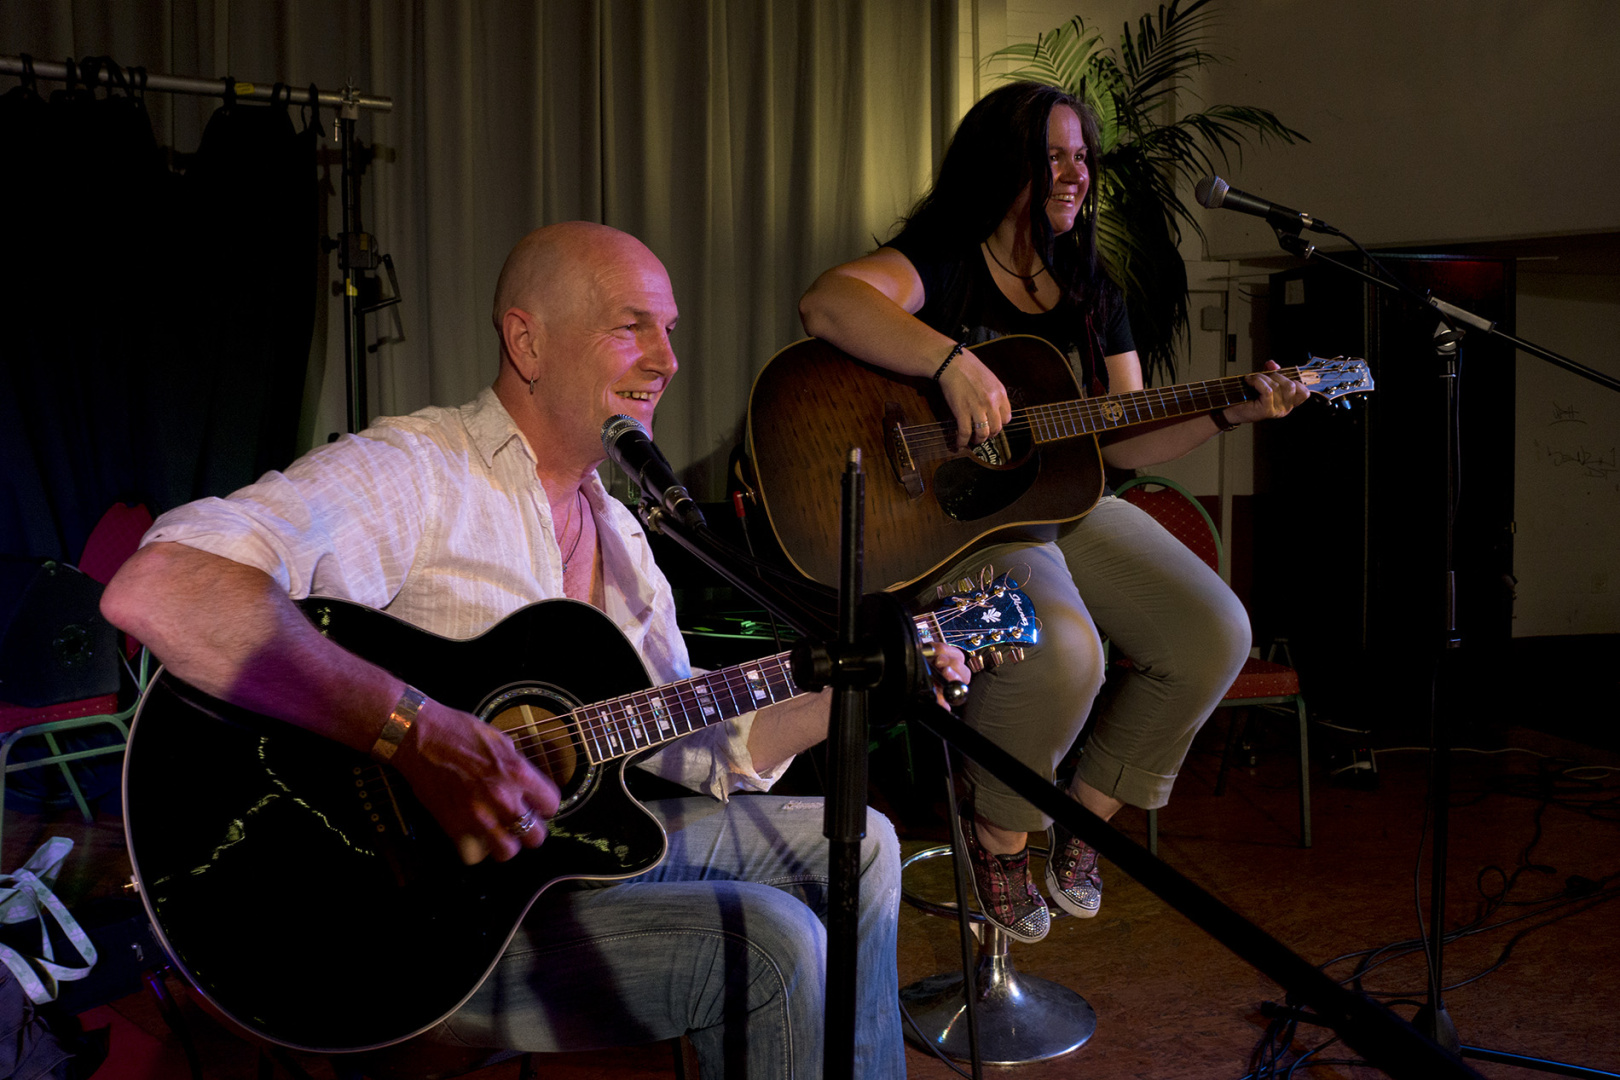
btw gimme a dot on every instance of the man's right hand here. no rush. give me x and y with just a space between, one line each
477 785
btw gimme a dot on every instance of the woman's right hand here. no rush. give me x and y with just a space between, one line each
976 398
868 308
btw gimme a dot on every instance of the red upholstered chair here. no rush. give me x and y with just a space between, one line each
1264 683
113 540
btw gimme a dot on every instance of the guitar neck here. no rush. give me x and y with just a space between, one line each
1087 416
646 719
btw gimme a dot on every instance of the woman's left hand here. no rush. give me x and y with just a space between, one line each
1276 396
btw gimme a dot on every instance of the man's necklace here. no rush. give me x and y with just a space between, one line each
579 498
1027 279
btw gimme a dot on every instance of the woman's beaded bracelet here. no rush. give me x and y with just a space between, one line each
955 352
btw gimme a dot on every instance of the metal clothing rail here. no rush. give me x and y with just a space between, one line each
357 251
138 79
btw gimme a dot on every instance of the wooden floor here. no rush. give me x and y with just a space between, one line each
1534 862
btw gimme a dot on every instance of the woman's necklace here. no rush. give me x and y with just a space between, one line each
579 498
1027 279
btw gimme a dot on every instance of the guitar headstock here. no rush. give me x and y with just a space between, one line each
1337 377
991 623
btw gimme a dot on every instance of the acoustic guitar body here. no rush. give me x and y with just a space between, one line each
813 404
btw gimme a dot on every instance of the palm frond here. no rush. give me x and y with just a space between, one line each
1058 57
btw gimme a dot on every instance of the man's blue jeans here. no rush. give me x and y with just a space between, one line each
722 941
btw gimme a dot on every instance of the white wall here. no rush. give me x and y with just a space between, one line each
1567 479
1430 123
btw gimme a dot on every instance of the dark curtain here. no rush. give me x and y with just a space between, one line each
154 324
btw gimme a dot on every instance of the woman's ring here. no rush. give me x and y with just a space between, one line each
523 825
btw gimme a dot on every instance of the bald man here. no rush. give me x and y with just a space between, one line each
451 519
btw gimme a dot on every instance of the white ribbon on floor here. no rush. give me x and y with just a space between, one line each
26 895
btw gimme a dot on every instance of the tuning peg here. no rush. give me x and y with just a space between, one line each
1017 652
975 662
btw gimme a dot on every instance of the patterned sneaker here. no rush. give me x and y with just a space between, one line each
1072 878
1007 896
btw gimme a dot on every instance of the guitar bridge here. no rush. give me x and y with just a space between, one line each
378 802
900 459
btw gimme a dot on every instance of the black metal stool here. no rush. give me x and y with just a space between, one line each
1022 1018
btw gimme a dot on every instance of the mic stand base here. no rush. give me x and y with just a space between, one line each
1435 1022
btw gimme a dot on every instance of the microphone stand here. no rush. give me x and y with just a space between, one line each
877 651
1433 1020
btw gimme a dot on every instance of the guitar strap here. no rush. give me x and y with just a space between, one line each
1096 368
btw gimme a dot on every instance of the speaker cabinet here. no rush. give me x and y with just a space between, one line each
1351 518
54 644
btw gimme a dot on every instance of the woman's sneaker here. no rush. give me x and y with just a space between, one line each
1072 878
1008 898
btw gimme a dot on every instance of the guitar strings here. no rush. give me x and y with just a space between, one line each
609 726
933 438
933 435
732 682
600 720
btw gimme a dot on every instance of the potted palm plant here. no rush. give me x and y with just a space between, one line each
1146 156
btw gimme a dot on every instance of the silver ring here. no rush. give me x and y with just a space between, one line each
523 825
981 423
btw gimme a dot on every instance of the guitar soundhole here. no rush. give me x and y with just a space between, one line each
994 475
539 721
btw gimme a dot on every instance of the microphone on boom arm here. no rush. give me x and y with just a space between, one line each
632 450
1215 194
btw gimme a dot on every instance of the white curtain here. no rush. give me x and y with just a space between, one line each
750 143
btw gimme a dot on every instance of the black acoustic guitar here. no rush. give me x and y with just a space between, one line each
926 501
307 895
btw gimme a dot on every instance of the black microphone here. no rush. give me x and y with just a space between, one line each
1214 193
628 444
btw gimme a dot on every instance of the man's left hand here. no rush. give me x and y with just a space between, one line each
950 665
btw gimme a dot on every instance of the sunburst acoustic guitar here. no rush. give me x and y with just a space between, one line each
926 501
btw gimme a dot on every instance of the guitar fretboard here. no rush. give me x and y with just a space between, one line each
640 721
1067 419
648 718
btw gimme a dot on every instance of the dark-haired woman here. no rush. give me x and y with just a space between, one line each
1005 243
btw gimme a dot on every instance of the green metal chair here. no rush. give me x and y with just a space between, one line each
1262 682
114 538
47 722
